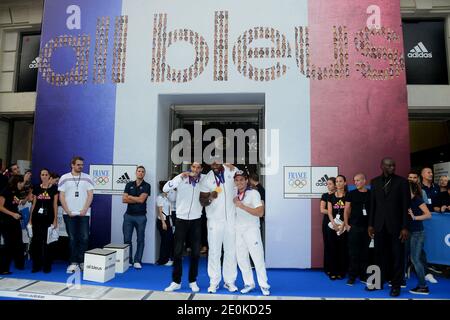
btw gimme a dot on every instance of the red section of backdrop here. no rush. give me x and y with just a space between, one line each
354 122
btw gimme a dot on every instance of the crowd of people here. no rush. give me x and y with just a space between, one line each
387 217
233 210
16 190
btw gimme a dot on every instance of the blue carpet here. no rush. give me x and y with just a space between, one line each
284 282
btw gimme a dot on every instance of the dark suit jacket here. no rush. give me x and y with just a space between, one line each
391 210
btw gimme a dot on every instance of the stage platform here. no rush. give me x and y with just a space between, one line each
149 283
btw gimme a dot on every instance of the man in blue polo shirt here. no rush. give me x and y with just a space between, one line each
431 189
135 195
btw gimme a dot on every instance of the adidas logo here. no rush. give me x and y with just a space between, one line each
35 63
420 51
125 178
322 181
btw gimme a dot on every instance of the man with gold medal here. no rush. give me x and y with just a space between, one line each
217 191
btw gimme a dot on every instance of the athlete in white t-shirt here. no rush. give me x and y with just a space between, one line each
217 193
76 194
249 209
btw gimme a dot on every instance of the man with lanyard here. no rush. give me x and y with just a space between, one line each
249 208
431 189
217 193
76 194
135 195
187 224
356 222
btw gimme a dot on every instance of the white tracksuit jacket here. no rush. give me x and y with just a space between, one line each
188 197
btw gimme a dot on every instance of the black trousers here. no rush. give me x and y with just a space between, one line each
338 253
39 249
166 245
326 244
390 257
358 251
186 231
13 248
204 241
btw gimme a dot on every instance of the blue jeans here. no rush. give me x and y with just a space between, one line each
78 231
417 241
129 223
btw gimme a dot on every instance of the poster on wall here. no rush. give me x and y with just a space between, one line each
297 181
122 174
307 182
102 176
111 179
441 169
426 53
319 177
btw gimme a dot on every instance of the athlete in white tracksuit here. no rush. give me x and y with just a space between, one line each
187 224
217 193
249 209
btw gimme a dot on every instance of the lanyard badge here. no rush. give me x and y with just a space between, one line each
77 183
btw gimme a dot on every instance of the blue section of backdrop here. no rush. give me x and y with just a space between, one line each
77 119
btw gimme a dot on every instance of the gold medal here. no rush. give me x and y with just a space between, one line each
218 189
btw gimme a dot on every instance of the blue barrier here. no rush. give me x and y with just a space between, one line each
437 238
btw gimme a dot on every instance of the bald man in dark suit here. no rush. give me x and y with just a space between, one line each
388 221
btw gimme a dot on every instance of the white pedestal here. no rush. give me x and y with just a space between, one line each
99 265
122 256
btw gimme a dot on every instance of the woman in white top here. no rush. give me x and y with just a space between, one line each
164 225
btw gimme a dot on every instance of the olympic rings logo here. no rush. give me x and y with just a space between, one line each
297 183
101 180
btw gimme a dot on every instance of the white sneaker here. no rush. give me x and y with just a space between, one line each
169 263
265 291
137 265
194 287
173 286
430 278
213 288
72 268
231 287
247 288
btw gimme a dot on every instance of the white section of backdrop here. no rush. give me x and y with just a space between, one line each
141 112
